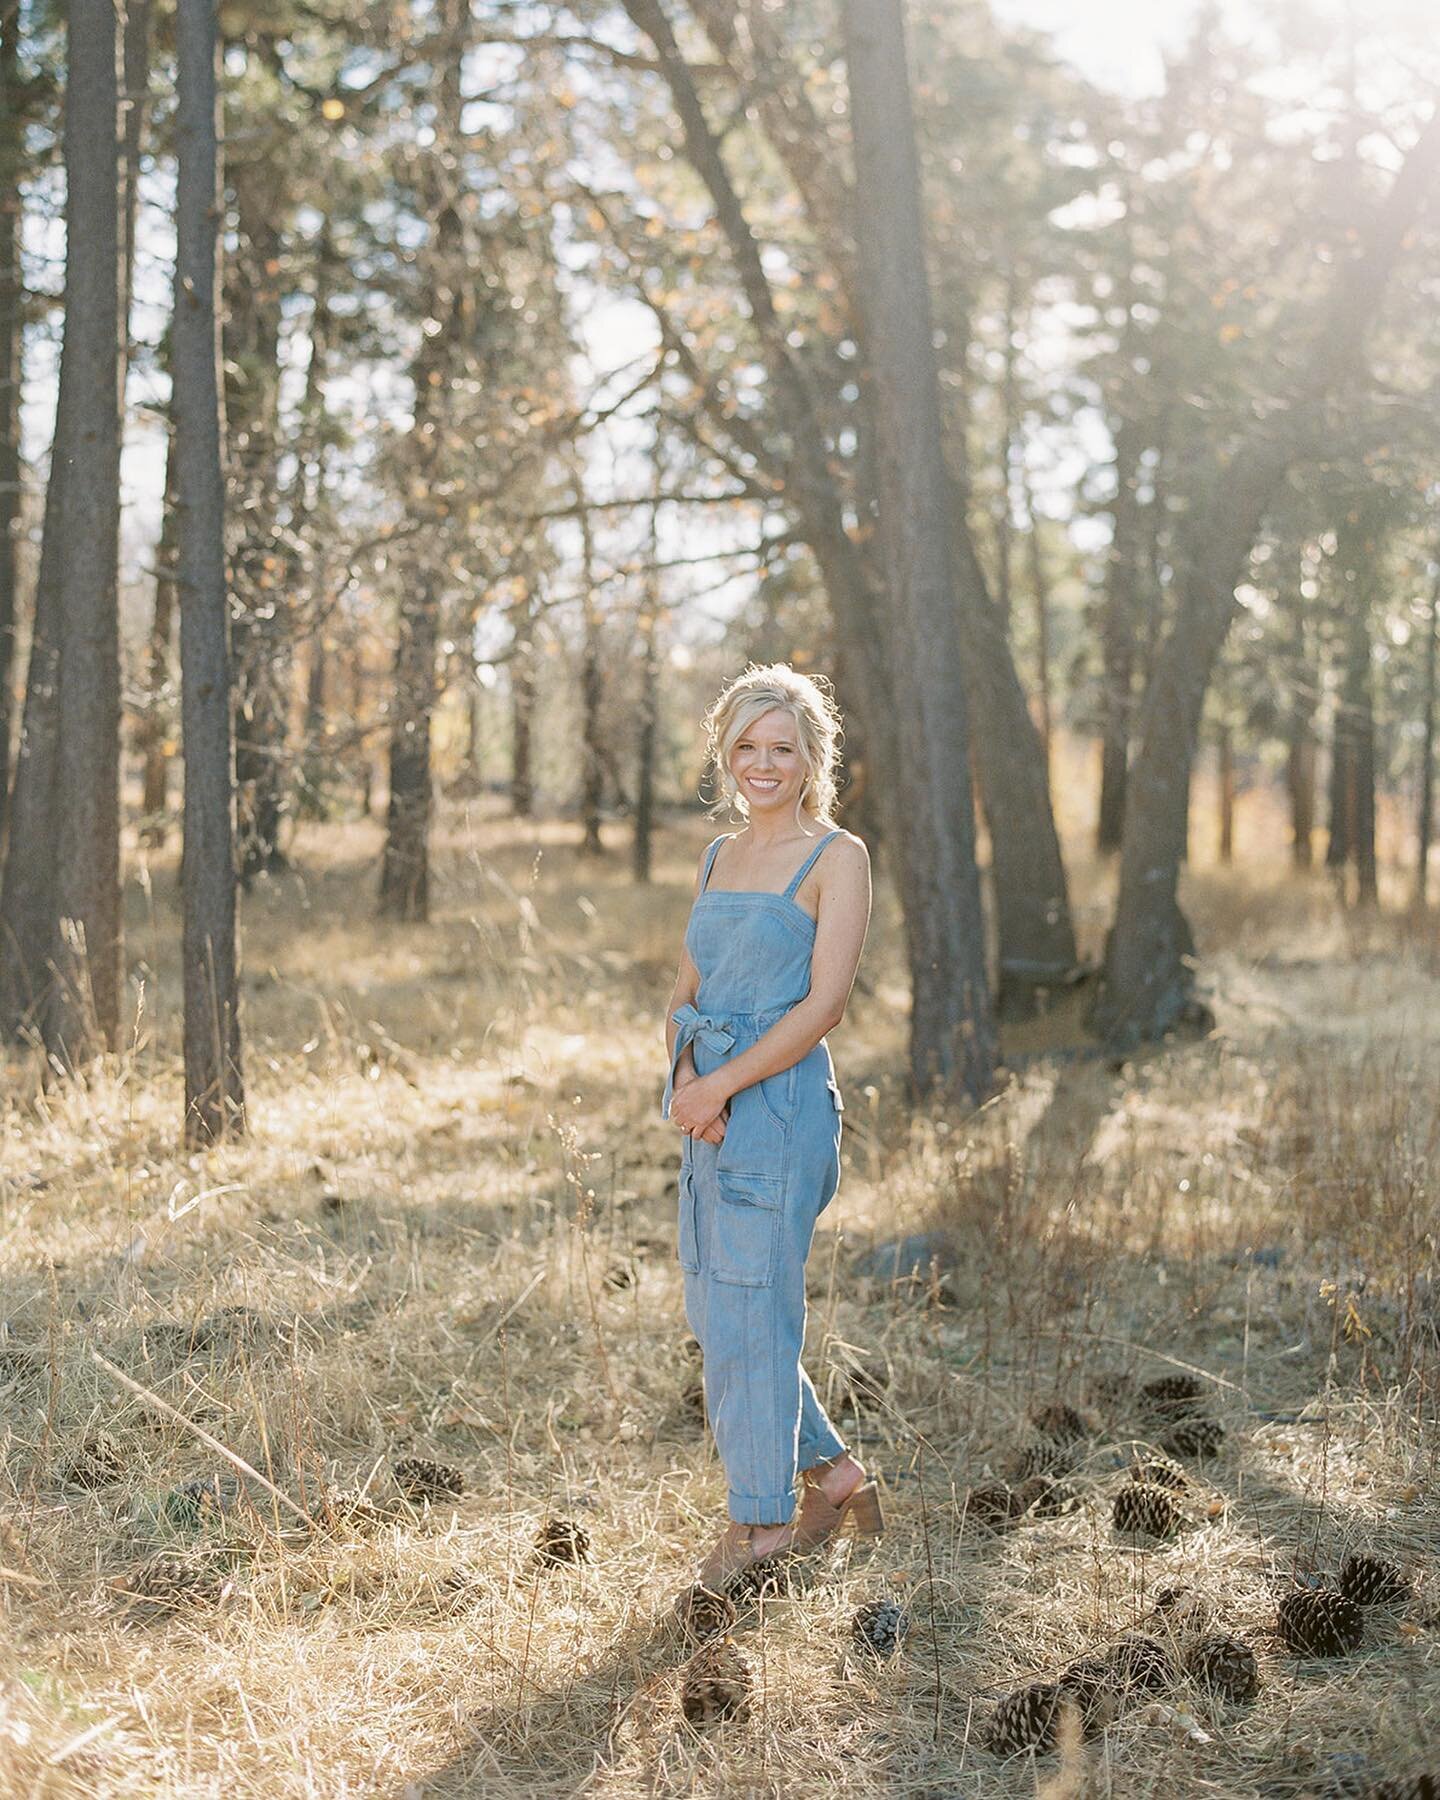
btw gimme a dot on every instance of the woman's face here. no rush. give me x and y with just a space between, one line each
767 765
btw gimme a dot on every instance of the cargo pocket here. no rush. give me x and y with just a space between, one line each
777 1096
689 1243
756 1143
745 1232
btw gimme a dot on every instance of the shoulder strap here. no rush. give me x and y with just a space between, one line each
710 856
807 865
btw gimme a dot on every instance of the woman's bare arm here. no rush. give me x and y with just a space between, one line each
687 985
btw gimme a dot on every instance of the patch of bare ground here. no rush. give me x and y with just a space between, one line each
451 1236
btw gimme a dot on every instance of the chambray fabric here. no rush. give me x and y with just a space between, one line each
748 1205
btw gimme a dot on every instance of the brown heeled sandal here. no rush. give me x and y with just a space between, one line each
861 1506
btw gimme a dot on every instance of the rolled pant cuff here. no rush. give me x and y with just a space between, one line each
762 1509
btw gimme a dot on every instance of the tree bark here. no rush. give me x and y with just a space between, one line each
522 710
260 645
214 1086
86 1016
952 1044
1148 985
154 732
1425 823
1304 689
648 714
12 343
1119 632
1225 769
405 866
592 750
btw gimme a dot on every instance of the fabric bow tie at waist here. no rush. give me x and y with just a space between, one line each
694 1024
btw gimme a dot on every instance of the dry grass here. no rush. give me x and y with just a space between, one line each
453 1228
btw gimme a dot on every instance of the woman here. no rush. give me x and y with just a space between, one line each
775 934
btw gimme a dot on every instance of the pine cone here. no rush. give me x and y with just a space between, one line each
880 1626
1043 1497
1194 1437
97 1462
1371 1581
1060 1421
174 1581
1141 1665
993 1506
1091 1683
1142 1507
194 1503
704 1614
1425 1786
767 1579
717 1686
1172 1396
1320 1622
1047 1457
420 1479
562 1541
1029 1719
1225 1666
1160 1471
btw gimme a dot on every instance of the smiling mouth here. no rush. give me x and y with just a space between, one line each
767 784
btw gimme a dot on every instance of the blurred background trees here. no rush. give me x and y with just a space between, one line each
548 404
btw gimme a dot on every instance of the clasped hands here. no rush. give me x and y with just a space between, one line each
700 1106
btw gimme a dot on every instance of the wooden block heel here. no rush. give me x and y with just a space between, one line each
864 1509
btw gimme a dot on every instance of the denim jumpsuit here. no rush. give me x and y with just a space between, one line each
748 1205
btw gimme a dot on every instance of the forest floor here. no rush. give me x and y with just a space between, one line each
451 1234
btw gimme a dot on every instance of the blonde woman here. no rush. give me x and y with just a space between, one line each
774 938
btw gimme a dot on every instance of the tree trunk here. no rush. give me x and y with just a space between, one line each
642 849
522 710
262 626
1040 596
86 1015
1353 772
1425 823
1149 979
1304 688
592 778
27 902
1225 768
214 1088
12 343
154 733
405 867
1004 525
952 1043
1300 781
1119 631
135 106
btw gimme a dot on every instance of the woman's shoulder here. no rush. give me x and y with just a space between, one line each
855 846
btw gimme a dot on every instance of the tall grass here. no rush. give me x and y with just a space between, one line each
451 1233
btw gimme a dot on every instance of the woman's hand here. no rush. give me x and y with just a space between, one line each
700 1107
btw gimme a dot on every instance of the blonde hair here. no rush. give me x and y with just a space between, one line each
809 701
